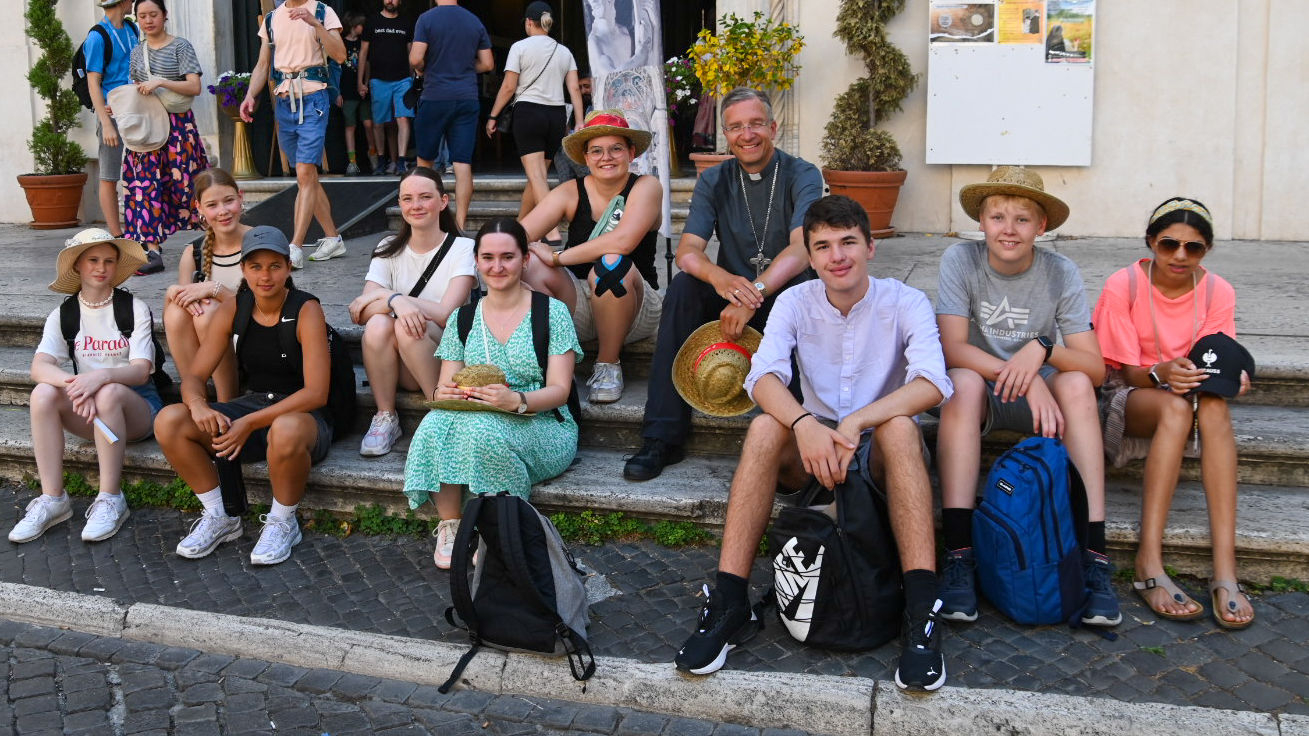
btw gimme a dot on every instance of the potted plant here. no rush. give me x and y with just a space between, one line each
757 53
859 160
230 89
681 92
54 191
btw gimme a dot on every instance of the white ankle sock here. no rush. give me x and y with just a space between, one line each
282 511
213 501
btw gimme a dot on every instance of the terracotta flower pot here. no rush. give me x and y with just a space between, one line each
876 191
706 161
54 199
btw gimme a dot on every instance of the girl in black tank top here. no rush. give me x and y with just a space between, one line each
583 222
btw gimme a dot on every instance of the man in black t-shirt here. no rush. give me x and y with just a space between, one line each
755 204
384 76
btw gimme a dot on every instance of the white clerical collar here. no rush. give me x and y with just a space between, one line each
755 176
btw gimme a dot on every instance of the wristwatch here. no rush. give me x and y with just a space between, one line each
522 403
1046 343
762 287
1154 377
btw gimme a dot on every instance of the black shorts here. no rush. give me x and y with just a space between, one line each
256 447
538 128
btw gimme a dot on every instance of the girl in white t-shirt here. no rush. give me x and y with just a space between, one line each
190 304
105 395
401 330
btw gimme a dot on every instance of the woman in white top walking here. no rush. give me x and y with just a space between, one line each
536 73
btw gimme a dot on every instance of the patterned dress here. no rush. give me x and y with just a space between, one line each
490 451
157 184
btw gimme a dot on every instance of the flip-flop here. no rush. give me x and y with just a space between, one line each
1233 589
1163 581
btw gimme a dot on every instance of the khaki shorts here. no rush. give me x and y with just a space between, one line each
647 317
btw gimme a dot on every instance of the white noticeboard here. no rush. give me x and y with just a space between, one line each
1003 85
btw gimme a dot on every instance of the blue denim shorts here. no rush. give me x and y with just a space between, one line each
389 99
302 142
450 121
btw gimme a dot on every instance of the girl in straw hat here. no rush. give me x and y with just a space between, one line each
208 274
496 449
1147 320
106 394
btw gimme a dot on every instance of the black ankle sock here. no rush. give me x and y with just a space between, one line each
957 525
920 590
1095 537
733 588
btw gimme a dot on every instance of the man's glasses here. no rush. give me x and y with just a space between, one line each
1170 245
753 126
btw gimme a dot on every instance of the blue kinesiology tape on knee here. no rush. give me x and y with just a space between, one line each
609 273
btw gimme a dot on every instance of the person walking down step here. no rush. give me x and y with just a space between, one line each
296 41
282 417
107 397
755 204
416 279
1002 308
869 362
1167 328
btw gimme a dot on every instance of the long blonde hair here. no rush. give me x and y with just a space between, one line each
202 182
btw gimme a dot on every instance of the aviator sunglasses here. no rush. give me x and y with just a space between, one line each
1169 245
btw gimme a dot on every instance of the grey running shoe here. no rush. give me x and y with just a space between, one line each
606 383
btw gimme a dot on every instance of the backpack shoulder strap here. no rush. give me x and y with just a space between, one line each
197 255
541 339
108 44
290 320
245 309
70 318
268 25
465 320
124 317
432 265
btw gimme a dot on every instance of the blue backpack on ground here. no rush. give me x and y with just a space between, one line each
1028 534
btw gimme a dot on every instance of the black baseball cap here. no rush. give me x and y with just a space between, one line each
1222 358
535 10
265 237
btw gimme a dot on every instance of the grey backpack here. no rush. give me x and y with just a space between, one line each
526 592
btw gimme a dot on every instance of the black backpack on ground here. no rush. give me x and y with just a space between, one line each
837 583
540 316
70 320
526 593
81 87
341 391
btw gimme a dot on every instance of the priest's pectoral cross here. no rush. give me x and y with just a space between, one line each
760 263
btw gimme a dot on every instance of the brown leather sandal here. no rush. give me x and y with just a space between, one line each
1163 581
1233 589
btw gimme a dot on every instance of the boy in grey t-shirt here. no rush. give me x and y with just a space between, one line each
1000 308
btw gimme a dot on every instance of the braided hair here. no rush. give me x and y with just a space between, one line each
205 180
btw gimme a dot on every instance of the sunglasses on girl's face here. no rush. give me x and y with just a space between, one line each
1169 245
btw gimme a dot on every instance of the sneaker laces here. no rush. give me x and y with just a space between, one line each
40 509
450 527
203 526
381 423
275 532
101 511
604 375
1098 576
958 572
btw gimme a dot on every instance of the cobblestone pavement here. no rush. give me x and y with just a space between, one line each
389 585
62 682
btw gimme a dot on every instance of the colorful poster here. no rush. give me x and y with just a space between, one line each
1019 21
962 23
627 71
1070 30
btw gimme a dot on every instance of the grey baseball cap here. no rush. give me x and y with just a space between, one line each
265 237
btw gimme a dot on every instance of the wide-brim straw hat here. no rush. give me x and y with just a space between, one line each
604 122
67 281
471 376
709 371
1018 181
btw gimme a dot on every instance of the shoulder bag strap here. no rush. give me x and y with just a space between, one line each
543 68
245 308
432 265
70 318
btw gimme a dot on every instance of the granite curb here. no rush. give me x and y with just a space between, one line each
844 706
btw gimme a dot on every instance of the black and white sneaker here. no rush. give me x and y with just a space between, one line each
720 629
922 666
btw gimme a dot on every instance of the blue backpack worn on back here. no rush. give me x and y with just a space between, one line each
1028 534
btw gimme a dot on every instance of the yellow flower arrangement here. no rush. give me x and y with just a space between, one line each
747 53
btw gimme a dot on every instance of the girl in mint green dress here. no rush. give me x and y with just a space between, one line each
493 451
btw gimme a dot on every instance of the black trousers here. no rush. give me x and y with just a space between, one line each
688 304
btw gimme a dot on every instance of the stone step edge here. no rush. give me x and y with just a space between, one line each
696 491
843 706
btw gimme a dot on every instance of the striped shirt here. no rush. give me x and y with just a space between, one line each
174 61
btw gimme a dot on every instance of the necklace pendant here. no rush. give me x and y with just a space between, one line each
760 262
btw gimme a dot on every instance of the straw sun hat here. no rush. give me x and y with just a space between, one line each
709 372
1018 181
604 122
67 280
476 375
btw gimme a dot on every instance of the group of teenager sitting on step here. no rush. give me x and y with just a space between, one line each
845 365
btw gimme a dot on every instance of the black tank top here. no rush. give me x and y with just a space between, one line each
265 367
583 222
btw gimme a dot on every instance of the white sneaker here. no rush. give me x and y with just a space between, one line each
42 513
382 434
276 540
104 517
297 256
207 533
328 248
606 383
445 543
